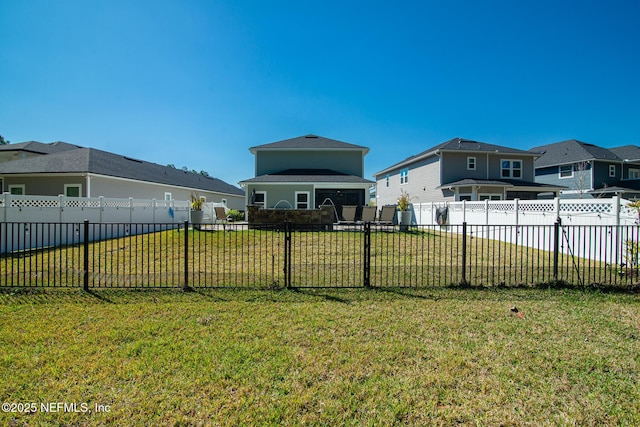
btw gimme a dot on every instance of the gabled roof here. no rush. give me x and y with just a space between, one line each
457 145
571 151
627 153
90 160
308 176
309 142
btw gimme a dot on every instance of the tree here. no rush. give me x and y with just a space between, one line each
581 172
3 141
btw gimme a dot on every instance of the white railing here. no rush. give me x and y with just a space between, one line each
50 209
614 211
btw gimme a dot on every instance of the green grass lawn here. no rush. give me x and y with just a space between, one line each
327 357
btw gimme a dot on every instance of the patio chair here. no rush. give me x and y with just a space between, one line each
221 216
349 214
387 215
369 213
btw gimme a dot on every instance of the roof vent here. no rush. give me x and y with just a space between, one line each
132 159
311 136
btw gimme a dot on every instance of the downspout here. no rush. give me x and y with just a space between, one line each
88 185
440 168
487 166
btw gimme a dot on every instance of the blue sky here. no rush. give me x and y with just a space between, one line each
196 83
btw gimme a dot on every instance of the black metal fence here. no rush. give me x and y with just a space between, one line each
129 255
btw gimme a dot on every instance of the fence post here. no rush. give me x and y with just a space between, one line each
432 215
4 197
367 255
486 212
287 254
61 203
186 256
85 274
464 253
556 248
464 211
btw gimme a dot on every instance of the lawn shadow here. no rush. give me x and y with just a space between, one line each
324 295
99 296
407 292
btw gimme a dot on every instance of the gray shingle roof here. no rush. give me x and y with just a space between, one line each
308 175
312 142
460 145
90 160
38 147
571 151
627 152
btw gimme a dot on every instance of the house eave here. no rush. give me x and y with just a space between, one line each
495 153
506 185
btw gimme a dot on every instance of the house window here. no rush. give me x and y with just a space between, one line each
72 190
17 190
634 173
471 163
566 171
464 196
260 199
1 186
612 171
511 168
387 181
167 197
483 197
302 200
404 176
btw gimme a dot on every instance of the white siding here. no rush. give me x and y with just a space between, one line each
424 177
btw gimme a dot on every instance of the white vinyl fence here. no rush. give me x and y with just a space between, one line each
614 211
51 209
32 222
599 230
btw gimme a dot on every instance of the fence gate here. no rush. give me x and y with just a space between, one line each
325 258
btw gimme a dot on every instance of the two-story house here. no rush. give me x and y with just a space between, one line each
306 172
461 169
587 170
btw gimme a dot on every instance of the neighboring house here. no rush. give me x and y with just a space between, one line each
588 170
35 168
306 172
460 169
